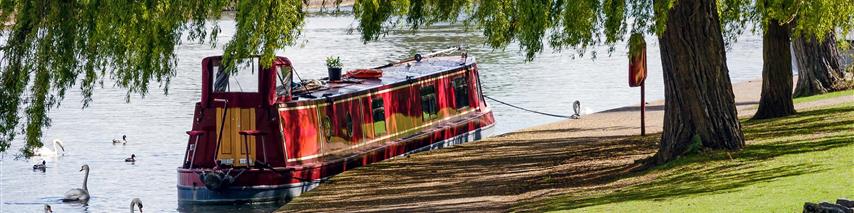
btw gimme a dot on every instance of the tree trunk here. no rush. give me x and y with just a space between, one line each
819 67
699 102
776 99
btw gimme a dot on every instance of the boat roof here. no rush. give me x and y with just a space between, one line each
392 74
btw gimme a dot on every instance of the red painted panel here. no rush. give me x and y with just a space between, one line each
300 132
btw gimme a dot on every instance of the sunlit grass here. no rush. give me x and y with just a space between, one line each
787 161
824 96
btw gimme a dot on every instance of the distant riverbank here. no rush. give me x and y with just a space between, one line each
316 4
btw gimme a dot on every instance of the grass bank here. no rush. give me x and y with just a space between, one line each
824 96
787 161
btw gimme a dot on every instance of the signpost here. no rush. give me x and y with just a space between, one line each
637 71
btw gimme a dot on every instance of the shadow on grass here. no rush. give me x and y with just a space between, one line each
496 175
714 172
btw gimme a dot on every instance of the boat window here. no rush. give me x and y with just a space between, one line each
429 105
378 112
347 128
461 92
283 85
326 125
244 80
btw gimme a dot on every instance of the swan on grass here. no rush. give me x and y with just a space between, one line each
79 195
123 141
136 202
58 149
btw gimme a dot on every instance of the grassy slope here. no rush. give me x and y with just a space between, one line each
788 161
824 96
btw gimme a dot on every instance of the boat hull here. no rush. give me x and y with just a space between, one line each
265 185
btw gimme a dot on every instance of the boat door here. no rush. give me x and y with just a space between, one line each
238 98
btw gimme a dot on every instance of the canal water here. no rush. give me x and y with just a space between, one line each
155 125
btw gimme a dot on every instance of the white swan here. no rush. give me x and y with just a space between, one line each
123 141
47 209
79 195
137 202
47 152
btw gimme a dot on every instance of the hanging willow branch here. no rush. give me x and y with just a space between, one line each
54 45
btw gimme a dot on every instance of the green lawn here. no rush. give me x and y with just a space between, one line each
824 96
787 161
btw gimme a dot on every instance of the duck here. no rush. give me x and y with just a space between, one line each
58 149
79 195
123 141
47 209
40 167
137 202
132 158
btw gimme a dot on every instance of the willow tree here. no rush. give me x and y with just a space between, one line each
52 46
820 68
132 44
782 20
815 46
699 107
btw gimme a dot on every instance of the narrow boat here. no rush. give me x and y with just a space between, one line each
264 137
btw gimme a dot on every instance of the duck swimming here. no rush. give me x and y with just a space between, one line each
58 149
79 195
137 202
40 167
132 158
123 141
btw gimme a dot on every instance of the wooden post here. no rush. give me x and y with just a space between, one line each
643 109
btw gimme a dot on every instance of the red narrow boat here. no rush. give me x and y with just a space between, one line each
273 142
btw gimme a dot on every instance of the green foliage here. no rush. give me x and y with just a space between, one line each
695 146
808 18
263 26
736 16
333 62
564 24
637 44
662 11
54 45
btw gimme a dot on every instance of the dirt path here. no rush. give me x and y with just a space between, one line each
570 156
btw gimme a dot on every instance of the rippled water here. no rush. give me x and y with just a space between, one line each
155 124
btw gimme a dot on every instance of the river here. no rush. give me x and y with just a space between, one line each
155 124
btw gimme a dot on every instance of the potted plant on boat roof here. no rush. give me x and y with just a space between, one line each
333 65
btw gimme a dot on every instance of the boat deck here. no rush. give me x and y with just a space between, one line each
392 74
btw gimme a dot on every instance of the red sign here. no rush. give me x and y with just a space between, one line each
637 68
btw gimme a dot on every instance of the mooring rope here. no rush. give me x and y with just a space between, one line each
576 107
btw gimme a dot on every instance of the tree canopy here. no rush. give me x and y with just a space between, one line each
53 45
807 18
562 24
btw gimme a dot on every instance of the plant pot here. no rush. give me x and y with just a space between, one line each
334 74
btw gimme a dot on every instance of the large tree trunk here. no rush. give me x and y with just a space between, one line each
776 99
698 94
819 67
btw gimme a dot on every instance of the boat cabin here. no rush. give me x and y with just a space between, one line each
290 133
